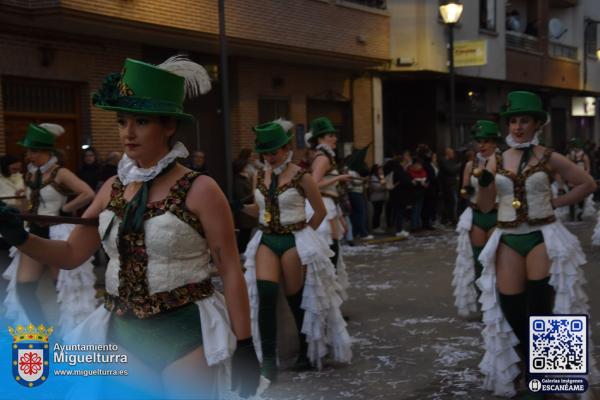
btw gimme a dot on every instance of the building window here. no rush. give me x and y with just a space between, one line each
380 4
487 15
33 96
270 109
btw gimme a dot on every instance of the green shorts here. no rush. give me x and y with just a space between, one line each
523 243
161 339
278 244
485 221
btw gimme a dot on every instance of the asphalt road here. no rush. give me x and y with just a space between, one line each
409 342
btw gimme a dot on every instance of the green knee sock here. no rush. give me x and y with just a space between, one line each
267 317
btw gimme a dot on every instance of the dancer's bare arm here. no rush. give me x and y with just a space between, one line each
85 194
582 184
314 198
206 200
82 243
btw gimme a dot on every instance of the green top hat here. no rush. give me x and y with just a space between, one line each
270 136
321 126
484 129
143 88
38 138
576 142
524 103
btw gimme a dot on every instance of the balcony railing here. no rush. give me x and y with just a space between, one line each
521 41
563 51
380 4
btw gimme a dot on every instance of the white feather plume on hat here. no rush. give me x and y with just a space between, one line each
197 81
284 123
307 137
54 129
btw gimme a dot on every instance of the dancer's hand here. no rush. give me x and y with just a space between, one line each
11 225
245 373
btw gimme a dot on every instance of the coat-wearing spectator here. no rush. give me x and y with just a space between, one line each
109 169
90 168
198 162
419 181
428 210
448 180
11 179
402 196
377 196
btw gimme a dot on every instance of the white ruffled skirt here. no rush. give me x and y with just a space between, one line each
499 363
324 232
76 295
463 280
596 233
323 324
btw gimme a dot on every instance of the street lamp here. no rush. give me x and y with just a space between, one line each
451 12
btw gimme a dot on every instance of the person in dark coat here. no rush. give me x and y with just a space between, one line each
401 195
448 180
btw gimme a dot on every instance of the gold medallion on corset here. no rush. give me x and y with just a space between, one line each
463 192
267 216
477 172
516 204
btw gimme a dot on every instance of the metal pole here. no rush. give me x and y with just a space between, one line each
451 76
224 77
586 25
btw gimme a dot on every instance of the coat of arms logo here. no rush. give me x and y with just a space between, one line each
30 354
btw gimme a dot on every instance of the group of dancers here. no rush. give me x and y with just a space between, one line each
515 258
163 227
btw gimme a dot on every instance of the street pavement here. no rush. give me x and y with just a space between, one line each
409 343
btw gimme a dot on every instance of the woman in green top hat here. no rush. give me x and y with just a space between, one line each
322 138
531 263
287 249
49 186
474 226
160 224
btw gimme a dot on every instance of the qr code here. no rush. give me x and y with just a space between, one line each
558 344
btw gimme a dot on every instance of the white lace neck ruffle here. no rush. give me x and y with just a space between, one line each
511 142
326 149
44 168
129 171
278 170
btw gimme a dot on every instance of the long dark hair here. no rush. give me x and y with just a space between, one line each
5 162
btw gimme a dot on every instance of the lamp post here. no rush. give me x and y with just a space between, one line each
451 12
587 24
224 77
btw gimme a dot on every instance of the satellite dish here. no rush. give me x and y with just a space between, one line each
556 28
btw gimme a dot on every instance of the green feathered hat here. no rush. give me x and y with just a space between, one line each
576 142
143 88
524 103
318 127
485 129
41 137
272 135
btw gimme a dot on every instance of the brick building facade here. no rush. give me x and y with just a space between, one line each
298 58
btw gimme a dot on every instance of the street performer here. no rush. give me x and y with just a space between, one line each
474 226
286 248
322 138
48 186
531 263
160 224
